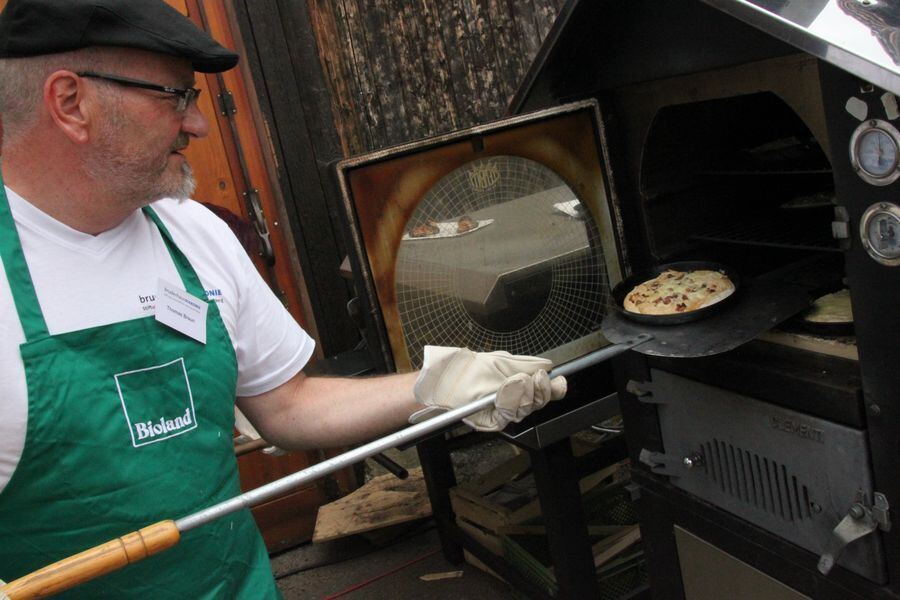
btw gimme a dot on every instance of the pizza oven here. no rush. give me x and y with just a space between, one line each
756 134
734 129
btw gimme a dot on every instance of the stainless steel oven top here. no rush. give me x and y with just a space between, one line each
860 36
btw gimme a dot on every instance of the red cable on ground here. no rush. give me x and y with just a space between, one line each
382 576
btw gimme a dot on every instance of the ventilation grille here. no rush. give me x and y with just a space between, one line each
756 480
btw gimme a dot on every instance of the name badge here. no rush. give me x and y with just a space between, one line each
183 312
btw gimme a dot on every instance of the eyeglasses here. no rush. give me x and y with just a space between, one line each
185 96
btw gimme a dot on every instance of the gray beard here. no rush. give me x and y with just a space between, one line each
187 184
120 177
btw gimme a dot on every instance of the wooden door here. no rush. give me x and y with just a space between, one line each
229 165
233 169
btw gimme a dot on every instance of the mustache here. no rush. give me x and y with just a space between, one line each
181 142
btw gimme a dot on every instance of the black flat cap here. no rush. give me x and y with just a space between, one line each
34 27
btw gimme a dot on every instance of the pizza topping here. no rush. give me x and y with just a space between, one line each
466 223
425 229
674 292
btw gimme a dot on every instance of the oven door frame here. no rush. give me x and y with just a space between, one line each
373 234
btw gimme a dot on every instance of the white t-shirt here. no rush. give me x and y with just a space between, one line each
84 281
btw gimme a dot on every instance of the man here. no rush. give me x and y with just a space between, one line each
116 376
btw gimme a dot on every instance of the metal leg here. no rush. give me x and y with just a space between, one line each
567 537
392 466
437 470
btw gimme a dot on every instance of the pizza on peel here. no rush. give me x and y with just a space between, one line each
673 292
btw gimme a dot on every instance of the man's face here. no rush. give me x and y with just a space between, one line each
135 151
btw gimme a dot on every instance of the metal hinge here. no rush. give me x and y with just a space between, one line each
636 388
840 227
861 520
661 463
643 391
226 104
671 466
259 222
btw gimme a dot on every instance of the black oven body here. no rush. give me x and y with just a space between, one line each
623 53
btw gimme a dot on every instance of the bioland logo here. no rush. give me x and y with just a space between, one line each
157 402
164 425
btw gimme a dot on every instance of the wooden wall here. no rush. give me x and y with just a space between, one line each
336 78
400 70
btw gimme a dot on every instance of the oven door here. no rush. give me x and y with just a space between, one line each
498 237
793 474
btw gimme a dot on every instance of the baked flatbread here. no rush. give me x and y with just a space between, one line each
831 308
425 229
674 292
466 223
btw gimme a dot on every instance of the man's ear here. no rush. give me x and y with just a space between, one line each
65 96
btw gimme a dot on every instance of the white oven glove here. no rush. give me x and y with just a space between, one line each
452 377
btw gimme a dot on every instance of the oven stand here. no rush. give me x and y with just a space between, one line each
556 473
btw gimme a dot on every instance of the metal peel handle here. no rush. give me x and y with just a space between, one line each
93 563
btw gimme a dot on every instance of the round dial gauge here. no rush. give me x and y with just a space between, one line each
879 230
875 152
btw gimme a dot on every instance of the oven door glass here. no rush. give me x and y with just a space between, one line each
494 238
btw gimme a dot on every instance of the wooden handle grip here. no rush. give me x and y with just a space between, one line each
93 563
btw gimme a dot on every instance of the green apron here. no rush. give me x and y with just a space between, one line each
128 424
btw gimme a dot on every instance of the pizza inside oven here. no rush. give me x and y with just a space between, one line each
674 292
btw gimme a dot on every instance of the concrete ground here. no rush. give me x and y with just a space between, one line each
403 562
411 567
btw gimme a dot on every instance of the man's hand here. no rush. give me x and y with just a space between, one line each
452 377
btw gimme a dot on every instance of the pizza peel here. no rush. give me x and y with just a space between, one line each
755 306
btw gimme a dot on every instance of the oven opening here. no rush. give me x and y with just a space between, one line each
740 180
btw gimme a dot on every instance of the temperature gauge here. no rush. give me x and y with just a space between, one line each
875 152
879 229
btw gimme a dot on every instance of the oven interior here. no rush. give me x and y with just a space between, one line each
742 170
733 165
